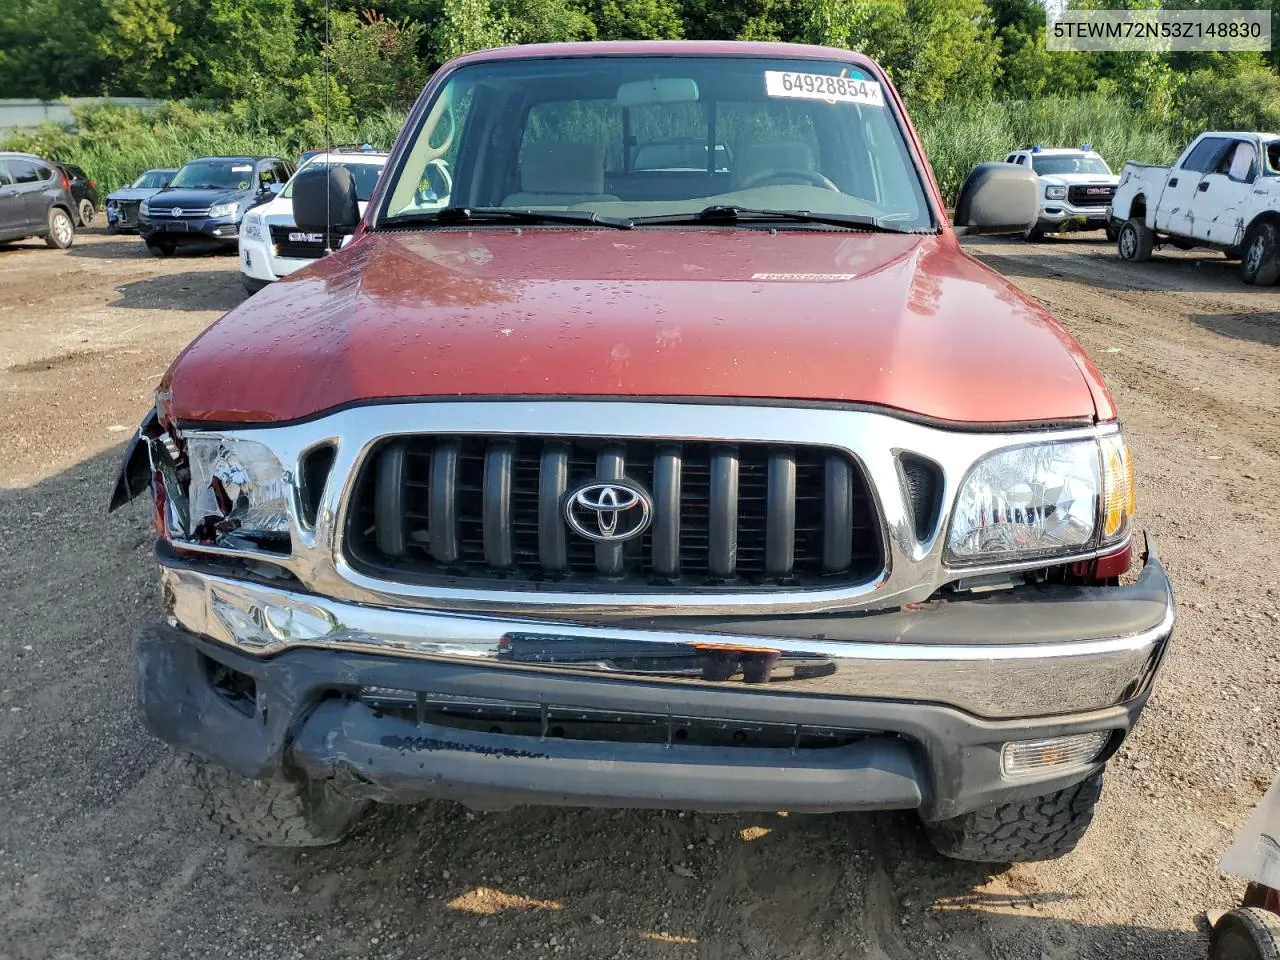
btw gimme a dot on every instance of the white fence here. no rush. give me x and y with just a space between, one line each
20 114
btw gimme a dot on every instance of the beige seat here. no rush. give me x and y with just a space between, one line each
757 161
559 175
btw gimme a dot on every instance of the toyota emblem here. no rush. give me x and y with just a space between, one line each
608 511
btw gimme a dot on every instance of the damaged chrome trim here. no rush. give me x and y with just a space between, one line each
996 681
914 568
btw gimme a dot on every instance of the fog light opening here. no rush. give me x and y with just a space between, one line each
1030 758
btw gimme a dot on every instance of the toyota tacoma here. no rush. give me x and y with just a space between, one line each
721 480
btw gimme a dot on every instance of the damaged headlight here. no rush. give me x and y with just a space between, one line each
1026 502
239 493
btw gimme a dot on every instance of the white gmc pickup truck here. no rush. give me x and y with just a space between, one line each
1222 194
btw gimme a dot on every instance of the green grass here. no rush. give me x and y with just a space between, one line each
114 145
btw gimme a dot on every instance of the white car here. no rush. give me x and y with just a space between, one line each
271 246
1076 187
1222 194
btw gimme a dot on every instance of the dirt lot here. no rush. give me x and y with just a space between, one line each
100 856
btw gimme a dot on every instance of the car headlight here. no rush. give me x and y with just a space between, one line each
144 208
239 493
252 226
1055 193
223 210
1043 500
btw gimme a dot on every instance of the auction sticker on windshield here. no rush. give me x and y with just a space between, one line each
822 86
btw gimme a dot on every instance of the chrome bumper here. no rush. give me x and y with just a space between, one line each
993 680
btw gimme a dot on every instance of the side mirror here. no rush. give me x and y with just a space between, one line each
274 188
998 198
324 200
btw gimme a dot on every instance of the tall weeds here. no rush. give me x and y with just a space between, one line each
114 145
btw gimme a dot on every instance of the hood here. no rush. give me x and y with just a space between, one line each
903 321
133 193
1066 179
183 197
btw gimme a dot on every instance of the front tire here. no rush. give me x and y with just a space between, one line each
1250 933
1260 262
86 213
1135 242
252 284
1042 828
160 248
271 813
1113 230
1033 235
62 232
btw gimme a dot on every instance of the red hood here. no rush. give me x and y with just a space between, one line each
908 322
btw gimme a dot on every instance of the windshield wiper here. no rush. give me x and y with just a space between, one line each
451 215
732 213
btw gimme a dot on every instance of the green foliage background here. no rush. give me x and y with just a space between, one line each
248 75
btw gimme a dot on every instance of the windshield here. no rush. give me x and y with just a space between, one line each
365 175
1069 163
635 137
152 180
215 175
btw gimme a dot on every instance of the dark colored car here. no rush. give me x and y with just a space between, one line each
206 200
85 193
35 201
122 204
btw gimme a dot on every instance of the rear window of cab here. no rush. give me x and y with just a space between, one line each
637 136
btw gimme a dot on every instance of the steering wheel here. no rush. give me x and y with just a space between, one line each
790 175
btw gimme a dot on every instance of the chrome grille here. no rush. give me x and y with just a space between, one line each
451 509
1090 195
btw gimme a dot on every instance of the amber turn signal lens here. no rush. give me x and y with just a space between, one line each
1117 488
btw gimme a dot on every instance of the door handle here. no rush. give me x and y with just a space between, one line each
1173 181
1204 185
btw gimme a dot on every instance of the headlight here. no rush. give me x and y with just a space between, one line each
1021 503
1055 193
252 226
144 208
240 492
223 210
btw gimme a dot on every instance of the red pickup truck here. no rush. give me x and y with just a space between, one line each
680 457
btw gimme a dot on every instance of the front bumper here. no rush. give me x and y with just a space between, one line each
191 230
1058 215
258 260
934 693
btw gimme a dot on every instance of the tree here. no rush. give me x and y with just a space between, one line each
934 50
141 43
467 25
637 19
547 21
375 59
48 48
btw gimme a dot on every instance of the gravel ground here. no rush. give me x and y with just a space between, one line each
100 855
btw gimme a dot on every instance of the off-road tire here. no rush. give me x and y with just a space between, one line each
86 213
62 230
1041 828
1260 256
1135 242
1250 933
160 249
271 813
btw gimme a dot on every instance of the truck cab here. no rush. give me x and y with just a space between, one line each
1076 188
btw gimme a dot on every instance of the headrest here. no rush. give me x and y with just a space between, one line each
576 168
